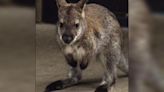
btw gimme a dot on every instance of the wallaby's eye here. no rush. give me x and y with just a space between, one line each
61 24
77 25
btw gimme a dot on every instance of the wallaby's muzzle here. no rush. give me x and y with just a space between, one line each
67 38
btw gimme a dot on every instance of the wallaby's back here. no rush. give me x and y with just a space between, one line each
102 22
99 15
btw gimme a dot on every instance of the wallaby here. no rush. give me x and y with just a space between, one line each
142 64
87 31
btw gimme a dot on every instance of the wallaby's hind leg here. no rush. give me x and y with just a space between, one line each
109 77
123 64
110 59
74 77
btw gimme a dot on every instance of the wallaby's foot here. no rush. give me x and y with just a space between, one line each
60 84
57 85
102 88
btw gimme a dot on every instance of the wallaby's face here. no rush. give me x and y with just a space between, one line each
70 24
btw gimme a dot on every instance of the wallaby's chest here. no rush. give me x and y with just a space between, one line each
77 52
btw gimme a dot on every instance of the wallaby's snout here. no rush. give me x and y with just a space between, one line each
67 38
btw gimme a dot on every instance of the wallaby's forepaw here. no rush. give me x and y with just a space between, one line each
57 85
102 88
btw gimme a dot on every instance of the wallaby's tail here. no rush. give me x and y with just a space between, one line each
123 64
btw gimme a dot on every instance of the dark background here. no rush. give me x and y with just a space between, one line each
156 5
30 3
119 7
25 2
113 5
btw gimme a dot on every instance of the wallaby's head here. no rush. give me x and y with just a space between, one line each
71 23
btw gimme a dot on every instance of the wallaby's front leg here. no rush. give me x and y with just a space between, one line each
74 77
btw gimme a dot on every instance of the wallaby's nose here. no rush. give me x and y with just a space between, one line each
67 38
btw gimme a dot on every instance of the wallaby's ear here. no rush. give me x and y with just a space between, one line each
61 3
82 3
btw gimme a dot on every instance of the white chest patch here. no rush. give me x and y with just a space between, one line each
78 53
